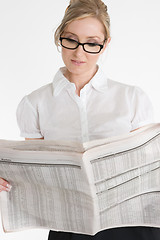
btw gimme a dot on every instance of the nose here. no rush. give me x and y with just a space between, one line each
79 51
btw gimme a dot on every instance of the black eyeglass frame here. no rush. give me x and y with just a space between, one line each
82 44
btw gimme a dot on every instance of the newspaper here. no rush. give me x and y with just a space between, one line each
82 188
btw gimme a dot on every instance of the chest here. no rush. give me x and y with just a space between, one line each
88 117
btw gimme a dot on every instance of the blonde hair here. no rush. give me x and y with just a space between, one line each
79 9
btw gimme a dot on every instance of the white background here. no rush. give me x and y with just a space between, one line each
29 58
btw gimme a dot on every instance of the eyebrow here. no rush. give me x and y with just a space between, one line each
89 37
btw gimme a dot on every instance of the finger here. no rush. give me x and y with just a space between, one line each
4 185
4 188
8 188
3 182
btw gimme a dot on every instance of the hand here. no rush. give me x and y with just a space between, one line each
4 185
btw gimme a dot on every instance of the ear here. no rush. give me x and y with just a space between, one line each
108 41
106 44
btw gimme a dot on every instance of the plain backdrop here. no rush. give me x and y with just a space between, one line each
29 58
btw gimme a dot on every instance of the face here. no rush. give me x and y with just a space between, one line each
86 30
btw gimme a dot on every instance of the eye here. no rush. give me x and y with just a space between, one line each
71 37
71 40
92 44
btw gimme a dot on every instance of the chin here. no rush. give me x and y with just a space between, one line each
77 69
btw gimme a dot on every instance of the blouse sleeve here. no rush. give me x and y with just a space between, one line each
28 119
142 113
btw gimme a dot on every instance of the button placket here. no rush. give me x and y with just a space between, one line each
81 102
83 115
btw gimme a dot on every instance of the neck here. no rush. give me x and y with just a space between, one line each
80 80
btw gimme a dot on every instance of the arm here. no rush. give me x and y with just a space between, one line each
142 113
28 122
134 129
34 138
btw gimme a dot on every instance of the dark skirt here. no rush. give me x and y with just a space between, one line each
125 233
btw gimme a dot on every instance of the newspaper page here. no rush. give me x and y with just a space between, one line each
49 188
82 188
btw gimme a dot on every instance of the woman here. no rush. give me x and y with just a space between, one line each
81 104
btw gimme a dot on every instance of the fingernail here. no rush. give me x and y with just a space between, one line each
8 187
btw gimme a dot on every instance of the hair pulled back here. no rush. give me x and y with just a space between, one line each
79 9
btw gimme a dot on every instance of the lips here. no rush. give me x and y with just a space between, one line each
77 62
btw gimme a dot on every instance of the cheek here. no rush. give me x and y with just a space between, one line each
65 56
93 58
64 53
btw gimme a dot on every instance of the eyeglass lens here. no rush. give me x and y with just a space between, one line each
88 47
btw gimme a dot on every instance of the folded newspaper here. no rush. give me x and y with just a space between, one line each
82 188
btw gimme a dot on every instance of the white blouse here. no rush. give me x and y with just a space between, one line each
105 108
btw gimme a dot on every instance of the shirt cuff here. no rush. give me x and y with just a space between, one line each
31 135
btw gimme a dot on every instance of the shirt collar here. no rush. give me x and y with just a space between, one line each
99 81
60 82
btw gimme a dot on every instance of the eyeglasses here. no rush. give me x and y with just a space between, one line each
71 44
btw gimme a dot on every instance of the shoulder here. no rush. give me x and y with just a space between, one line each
130 93
44 93
123 88
40 94
31 102
115 88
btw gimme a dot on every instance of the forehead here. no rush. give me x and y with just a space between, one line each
86 27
